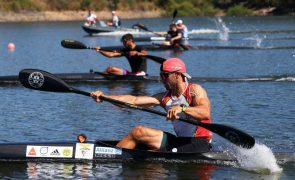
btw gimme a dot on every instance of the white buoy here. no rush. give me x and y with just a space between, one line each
10 46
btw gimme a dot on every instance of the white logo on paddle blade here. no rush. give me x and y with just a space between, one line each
233 137
36 79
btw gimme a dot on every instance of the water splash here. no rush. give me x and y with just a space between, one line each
223 29
257 39
290 79
258 42
204 31
259 159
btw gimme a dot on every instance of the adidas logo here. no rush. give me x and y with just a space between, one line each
55 153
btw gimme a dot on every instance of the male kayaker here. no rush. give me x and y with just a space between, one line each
91 19
133 53
173 36
182 28
116 22
182 99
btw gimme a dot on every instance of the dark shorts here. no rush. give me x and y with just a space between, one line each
173 143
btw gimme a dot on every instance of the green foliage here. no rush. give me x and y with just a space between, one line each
64 5
190 7
98 5
239 10
222 3
18 5
114 4
85 4
184 7
268 3
144 5
260 3
127 4
210 10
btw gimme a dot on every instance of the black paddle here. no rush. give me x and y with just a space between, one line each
174 15
73 44
44 81
143 27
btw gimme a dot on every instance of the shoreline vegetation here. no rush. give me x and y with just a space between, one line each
77 10
73 15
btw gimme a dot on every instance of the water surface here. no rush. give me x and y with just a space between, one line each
262 109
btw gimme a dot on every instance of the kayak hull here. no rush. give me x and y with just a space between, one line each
71 151
93 30
105 150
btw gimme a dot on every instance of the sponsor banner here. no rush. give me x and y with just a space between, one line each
84 151
49 151
108 150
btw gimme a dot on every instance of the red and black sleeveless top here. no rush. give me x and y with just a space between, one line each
183 129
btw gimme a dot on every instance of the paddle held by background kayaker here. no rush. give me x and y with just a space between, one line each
182 99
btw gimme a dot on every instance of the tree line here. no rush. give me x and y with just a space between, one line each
184 7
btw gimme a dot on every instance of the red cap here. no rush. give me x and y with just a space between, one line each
175 65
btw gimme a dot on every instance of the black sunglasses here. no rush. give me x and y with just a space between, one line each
126 40
165 75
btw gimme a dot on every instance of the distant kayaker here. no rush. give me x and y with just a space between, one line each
116 21
182 28
182 99
134 54
91 19
173 36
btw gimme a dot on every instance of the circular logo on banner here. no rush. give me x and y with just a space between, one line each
43 150
232 137
36 80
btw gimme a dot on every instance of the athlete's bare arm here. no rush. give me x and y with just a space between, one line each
200 108
144 101
109 54
200 103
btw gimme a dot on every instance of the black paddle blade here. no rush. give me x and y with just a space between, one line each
156 59
72 44
184 47
141 26
42 81
232 134
174 14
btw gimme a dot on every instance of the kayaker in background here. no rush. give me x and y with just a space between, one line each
182 99
91 19
134 54
116 21
173 36
182 28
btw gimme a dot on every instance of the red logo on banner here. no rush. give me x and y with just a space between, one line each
32 152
